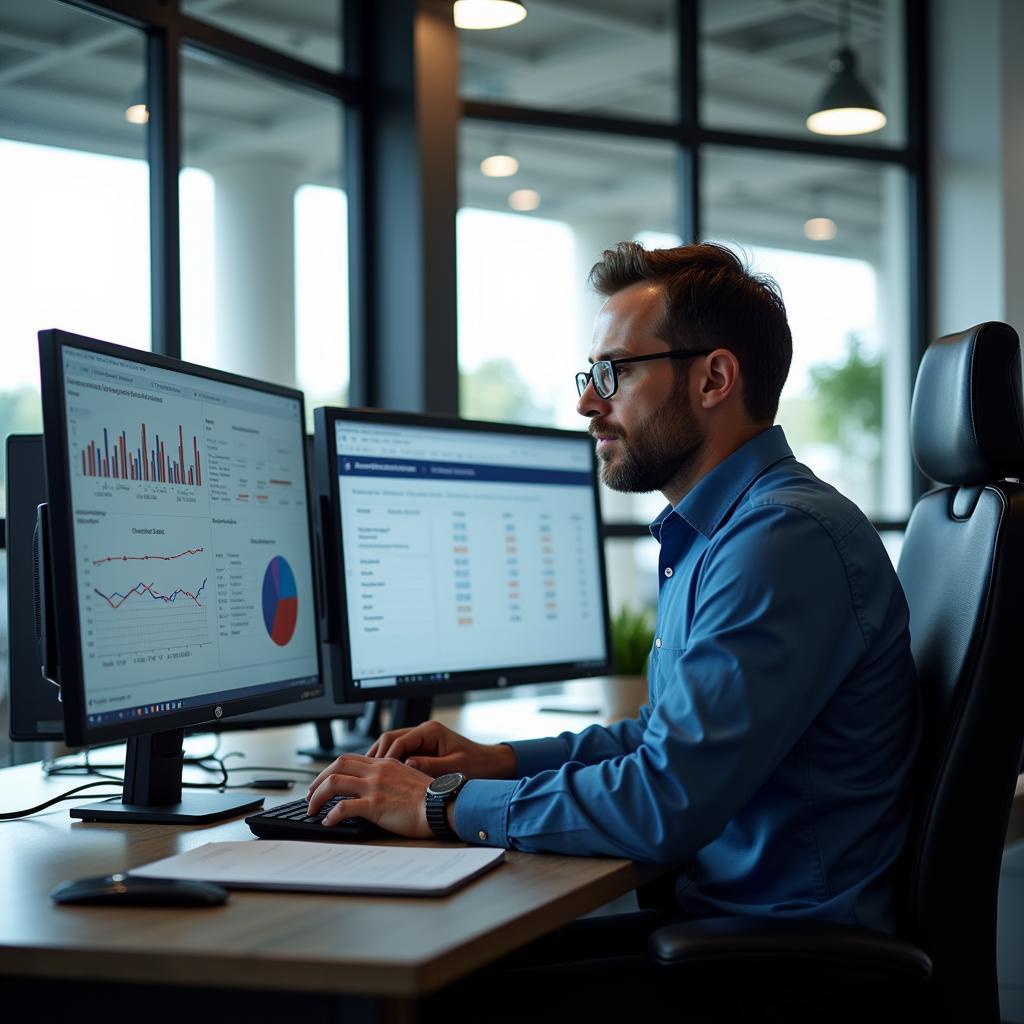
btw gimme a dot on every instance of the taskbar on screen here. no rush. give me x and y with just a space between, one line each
482 677
310 687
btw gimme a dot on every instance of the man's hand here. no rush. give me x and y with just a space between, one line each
382 790
433 748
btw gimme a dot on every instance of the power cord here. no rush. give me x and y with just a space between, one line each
69 795
206 762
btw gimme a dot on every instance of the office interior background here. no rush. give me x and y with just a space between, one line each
306 193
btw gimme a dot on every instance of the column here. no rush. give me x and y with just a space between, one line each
254 241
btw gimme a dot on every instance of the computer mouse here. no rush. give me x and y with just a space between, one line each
133 891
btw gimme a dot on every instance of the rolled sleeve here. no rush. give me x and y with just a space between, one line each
481 811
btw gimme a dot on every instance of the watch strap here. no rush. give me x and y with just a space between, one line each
437 813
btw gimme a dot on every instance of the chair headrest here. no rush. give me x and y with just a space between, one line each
966 419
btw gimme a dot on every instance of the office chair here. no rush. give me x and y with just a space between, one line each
962 567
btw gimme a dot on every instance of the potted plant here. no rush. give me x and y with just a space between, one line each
632 635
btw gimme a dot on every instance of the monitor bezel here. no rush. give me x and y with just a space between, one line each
334 624
77 729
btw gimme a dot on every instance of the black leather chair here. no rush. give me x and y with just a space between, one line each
962 567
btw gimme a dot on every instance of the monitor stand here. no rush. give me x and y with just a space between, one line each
356 740
367 727
409 711
152 789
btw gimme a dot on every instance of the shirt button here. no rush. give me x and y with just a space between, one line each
482 836
657 641
668 572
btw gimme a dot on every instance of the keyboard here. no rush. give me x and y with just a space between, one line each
292 821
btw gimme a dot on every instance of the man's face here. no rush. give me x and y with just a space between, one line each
647 435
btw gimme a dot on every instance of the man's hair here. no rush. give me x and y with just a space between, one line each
711 300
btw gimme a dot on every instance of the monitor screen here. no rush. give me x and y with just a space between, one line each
470 554
181 540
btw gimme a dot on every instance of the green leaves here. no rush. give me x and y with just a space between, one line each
632 636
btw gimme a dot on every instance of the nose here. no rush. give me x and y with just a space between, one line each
591 403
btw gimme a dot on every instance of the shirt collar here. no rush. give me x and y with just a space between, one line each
716 493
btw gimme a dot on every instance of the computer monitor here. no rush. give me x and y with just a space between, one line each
181 550
468 555
35 711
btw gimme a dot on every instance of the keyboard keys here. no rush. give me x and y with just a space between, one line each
292 820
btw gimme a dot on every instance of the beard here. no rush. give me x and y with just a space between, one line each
664 448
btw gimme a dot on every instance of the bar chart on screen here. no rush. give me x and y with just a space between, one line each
147 457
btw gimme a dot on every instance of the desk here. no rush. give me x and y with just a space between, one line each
390 949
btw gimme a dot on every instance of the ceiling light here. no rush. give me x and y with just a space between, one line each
500 165
137 111
524 200
820 229
481 14
846 105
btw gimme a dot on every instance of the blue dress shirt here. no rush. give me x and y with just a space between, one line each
773 760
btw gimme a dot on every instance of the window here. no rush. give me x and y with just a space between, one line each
597 56
824 229
74 192
526 244
263 230
309 30
763 64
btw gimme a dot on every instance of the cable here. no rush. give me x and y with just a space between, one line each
274 768
207 762
69 795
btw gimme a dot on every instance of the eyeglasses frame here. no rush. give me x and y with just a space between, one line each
586 377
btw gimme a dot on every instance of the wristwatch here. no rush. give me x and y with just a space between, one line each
440 793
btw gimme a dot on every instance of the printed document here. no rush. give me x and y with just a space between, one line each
327 867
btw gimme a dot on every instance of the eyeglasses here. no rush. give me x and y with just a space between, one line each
606 380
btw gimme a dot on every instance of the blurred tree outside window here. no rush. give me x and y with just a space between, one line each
848 402
493 390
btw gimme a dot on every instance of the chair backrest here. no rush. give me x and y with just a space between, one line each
962 567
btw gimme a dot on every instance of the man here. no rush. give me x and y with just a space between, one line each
772 762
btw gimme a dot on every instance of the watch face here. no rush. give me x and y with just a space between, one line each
445 783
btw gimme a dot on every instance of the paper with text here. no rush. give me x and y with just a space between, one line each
322 867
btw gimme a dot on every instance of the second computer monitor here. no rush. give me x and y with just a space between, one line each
467 555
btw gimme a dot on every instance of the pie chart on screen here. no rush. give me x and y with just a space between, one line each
280 601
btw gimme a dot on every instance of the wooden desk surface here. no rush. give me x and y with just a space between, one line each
381 946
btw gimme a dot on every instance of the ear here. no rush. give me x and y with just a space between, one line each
720 378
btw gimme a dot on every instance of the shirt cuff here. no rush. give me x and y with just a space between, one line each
535 756
481 811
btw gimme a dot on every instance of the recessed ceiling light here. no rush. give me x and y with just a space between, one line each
137 113
483 14
524 200
821 229
500 165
